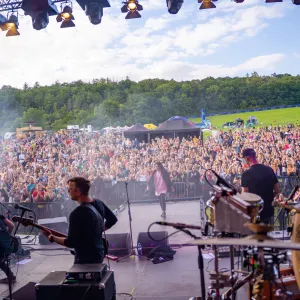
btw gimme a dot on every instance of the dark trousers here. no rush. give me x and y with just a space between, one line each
162 202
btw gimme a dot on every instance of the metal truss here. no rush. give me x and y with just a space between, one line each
11 5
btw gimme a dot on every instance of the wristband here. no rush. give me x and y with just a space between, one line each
51 238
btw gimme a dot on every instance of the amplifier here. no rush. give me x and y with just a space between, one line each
86 272
224 251
53 287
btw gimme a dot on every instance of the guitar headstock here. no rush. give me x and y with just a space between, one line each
23 221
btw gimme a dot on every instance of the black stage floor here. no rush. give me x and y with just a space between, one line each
177 279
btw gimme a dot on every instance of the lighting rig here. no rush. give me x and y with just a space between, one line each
41 10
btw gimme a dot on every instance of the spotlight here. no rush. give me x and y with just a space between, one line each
273 1
132 8
296 2
174 6
11 26
206 4
39 10
66 17
238 1
94 9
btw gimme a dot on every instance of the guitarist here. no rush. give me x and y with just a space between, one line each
87 223
6 226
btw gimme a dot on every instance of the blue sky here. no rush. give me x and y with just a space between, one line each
231 40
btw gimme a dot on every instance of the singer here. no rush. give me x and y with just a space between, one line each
262 181
161 183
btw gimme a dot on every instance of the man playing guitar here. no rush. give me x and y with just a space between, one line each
87 223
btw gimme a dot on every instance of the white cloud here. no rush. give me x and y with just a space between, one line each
161 45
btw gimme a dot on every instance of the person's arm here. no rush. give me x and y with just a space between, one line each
276 189
70 240
10 225
110 218
244 183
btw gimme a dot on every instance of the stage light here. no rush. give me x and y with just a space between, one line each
238 1
132 8
273 1
174 6
94 9
296 2
206 4
11 26
66 17
39 10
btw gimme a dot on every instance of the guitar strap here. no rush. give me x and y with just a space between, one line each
96 212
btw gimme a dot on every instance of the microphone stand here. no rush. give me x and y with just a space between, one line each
7 258
9 278
200 263
132 251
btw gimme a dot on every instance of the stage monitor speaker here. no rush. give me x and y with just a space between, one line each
147 244
59 224
27 292
54 286
119 244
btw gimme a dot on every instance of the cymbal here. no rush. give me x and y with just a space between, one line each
248 242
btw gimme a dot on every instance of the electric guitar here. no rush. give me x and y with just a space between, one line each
29 222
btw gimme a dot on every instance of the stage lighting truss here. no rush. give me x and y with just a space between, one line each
132 8
10 24
206 4
66 16
92 8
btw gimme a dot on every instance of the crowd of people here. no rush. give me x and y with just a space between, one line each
37 168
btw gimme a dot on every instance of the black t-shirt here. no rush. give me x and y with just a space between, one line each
85 232
260 180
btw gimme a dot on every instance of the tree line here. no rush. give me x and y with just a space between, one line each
104 102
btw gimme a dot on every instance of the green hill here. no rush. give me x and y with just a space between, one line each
267 117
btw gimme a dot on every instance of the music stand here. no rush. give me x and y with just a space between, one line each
132 250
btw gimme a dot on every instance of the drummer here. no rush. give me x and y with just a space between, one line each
262 181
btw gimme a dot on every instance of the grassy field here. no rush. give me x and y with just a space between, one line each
267 117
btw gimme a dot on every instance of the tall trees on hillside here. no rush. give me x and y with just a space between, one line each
104 103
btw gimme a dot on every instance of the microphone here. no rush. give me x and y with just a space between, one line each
178 225
292 194
222 181
17 206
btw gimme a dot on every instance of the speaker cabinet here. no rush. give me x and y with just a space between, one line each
147 244
119 244
59 224
53 286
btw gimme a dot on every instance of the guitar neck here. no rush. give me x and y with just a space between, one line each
54 232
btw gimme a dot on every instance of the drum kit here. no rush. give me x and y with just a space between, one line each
231 214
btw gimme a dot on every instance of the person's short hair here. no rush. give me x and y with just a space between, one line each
249 152
82 184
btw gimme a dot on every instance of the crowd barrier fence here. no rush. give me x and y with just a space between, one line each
114 196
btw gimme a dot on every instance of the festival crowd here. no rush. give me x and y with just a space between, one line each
37 168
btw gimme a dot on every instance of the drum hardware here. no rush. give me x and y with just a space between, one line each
229 212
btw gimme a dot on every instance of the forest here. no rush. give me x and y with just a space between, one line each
103 102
